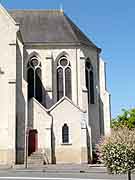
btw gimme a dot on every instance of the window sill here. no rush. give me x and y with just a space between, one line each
66 144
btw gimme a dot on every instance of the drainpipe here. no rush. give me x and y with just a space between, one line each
52 143
77 75
26 151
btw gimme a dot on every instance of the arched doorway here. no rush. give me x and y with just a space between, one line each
32 141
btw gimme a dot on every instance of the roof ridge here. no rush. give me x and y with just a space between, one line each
70 28
8 15
71 23
37 10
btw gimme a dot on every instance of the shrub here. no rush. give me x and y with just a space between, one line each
117 151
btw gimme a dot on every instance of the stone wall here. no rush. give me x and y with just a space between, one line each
42 122
92 109
66 113
105 115
8 29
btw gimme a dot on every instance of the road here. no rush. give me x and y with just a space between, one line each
31 175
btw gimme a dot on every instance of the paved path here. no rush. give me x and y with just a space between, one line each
59 172
42 178
39 175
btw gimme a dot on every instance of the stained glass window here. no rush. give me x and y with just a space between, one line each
65 134
91 87
60 92
64 87
34 79
68 82
38 83
30 83
89 81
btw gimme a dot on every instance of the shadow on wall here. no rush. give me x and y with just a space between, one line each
95 152
40 100
47 102
20 110
21 103
88 147
101 111
53 144
96 110
45 98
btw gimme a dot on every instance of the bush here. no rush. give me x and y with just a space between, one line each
117 151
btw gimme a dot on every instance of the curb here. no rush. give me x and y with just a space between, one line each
91 168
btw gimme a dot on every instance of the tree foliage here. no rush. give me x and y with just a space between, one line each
126 119
117 151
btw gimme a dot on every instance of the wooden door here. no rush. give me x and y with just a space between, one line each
32 141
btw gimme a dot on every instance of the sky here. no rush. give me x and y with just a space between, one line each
111 25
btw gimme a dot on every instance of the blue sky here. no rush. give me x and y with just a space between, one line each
111 25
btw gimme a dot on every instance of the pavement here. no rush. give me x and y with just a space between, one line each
59 168
59 172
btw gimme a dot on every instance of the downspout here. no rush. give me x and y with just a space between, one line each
53 159
77 76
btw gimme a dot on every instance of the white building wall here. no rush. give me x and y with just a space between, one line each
105 100
66 113
48 57
41 121
8 31
21 104
92 109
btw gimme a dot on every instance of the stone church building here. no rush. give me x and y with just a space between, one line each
53 97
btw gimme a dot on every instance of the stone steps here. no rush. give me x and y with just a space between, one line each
36 158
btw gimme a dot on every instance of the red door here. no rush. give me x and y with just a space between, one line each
33 141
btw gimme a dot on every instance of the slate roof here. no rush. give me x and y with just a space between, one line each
48 26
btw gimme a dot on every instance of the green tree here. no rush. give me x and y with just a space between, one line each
126 119
117 151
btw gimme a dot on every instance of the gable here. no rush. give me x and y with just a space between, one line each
7 16
8 27
65 105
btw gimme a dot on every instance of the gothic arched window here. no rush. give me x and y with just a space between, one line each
63 78
34 79
89 81
65 134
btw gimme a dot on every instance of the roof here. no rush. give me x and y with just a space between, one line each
48 26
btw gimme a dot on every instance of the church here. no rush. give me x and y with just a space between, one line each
53 97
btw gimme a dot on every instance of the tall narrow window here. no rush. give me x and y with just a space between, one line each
59 83
30 79
65 134
34 79
38 84
91 87
64 78
89 81
68 82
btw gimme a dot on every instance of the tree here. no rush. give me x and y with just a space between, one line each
117 151
126 119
